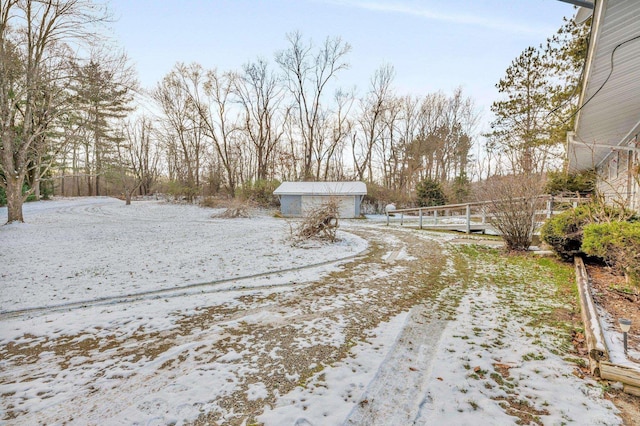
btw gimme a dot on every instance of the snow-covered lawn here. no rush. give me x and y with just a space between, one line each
83 249
412 331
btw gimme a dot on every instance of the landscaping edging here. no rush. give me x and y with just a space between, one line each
600 363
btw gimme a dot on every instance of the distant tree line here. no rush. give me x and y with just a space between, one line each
71 117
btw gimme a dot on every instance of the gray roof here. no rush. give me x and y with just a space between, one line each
321 188
610 101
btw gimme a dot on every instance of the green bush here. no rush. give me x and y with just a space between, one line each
564 232
429 193
618 243
562 182
459 190
3 197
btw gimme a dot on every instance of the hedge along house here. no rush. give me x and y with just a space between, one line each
606 133
297 198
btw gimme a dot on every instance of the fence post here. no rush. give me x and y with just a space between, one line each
468 218
387 218
550 207
420 214
435 217
401 218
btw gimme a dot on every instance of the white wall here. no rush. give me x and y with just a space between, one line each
616 180
346 204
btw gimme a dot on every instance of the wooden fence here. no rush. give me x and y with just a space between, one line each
472 217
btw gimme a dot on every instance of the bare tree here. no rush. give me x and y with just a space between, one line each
261 95
143 152
184 136
339 127
212 99
308 74
372 107
121 168
32 33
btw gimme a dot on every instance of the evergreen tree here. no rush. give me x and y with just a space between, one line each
103 94
540 88
429 193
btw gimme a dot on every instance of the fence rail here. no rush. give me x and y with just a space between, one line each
474 217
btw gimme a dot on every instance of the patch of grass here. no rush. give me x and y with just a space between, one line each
580 362
308 374
533 357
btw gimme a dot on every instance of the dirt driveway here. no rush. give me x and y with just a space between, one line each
414 331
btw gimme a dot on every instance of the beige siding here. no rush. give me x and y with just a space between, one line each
346 206
618 180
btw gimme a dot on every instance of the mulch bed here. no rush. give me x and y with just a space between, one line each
619 299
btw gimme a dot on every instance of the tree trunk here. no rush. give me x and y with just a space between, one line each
36 188
14 198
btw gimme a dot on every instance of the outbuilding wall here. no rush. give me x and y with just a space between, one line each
298 205
291 205
346 204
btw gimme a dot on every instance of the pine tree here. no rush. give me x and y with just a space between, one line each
539 88
103 94
429 193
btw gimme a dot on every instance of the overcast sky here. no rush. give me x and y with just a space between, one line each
432 44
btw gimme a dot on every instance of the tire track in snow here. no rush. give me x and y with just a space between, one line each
185 290
389 401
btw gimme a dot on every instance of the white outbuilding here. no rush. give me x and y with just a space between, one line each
297 198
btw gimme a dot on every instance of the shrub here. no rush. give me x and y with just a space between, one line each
319 223
261 192
209 202
564 232
429 193
3 197
379 196
459 190
512 205
618 243
563 182
182 191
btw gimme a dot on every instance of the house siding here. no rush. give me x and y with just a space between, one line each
618 181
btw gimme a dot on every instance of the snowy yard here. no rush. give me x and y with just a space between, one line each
157 314
84 249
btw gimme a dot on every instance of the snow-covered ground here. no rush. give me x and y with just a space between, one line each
84 249
406 333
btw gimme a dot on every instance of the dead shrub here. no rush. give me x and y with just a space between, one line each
512 205
319 223
234 209
209 202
